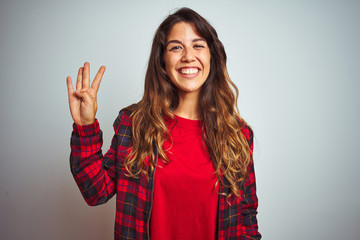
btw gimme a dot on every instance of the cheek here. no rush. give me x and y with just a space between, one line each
208 64
206 59
170 72
167 68
169 65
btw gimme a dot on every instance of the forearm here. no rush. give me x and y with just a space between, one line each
95 182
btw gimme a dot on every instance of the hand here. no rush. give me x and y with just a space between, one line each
82 102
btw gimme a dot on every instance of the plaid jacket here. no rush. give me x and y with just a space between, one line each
99 177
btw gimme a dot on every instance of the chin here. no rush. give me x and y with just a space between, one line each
188 90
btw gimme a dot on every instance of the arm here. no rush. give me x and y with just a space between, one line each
250 201
93 172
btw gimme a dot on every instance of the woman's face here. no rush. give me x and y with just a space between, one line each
187 58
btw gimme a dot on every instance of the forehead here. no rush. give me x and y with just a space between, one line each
183 31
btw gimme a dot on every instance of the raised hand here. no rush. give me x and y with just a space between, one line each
82 102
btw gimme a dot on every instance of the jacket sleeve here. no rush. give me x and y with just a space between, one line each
93 172
250 201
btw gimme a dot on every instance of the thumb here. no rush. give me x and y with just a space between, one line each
85 97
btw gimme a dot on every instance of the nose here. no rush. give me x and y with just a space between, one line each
188 55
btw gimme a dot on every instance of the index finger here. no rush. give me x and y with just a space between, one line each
97 80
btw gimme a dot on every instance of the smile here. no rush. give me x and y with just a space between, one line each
188 71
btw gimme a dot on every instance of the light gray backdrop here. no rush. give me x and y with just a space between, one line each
296 64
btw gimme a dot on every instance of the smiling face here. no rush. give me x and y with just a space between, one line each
187 58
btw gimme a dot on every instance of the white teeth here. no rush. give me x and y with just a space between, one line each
189 71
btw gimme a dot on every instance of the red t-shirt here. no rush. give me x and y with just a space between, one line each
185 203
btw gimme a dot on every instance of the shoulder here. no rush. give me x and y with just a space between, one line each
247 132
245 128
124 117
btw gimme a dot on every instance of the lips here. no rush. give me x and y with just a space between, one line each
188 70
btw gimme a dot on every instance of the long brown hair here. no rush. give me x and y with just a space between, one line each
222 124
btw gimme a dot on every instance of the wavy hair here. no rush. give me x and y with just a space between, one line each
222 124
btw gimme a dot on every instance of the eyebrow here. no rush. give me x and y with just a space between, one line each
177 41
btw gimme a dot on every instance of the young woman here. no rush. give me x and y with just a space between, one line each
180 162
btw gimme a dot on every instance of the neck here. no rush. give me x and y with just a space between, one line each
188 106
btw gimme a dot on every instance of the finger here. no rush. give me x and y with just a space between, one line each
70 87
86 76
97 80
79 79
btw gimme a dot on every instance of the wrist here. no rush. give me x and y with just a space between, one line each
85 123
87 129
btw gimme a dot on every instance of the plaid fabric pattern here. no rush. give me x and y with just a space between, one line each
100 176
237 216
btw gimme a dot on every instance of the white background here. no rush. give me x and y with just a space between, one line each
296 64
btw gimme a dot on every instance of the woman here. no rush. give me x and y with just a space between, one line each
180 162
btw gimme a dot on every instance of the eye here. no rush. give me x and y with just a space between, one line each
175 48
199 46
